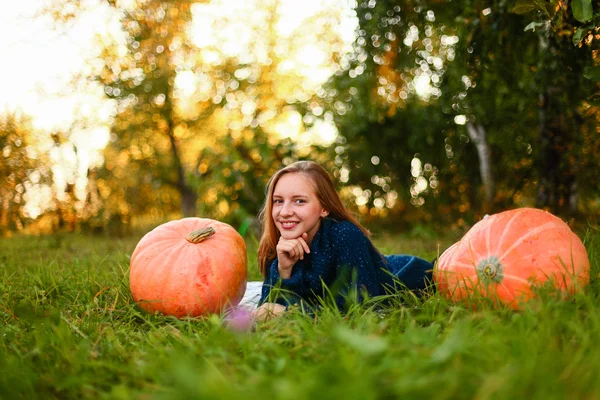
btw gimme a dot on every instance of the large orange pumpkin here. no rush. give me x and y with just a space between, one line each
189 267
504 255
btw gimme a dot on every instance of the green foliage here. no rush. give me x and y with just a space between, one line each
592 73
586 21
525 91
582 10
420 74
524 6
69 329
466 52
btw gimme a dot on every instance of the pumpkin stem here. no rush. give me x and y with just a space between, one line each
490 270
200 234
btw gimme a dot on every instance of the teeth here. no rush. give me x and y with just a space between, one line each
288 224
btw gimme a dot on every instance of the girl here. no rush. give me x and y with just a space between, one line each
312 248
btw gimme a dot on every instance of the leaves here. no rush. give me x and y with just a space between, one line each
548 7
594 100
524 6
579 34
592 73
582 10
532 26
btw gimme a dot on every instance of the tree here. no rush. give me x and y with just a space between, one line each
139 72
481 79
381 112
22 170
491 82
197 124
567 32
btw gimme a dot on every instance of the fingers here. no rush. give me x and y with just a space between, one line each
268 311
299 244
293 248
289 251
302 239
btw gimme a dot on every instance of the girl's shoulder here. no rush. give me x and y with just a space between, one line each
343 229
345 239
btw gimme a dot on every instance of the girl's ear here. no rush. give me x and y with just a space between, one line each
324 213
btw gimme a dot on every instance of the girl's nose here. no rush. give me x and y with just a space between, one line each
286 209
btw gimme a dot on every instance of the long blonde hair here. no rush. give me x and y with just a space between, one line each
326 193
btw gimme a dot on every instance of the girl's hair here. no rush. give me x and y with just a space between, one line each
326 193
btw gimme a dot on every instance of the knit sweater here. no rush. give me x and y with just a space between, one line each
343 264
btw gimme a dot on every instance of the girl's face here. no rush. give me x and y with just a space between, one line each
296 208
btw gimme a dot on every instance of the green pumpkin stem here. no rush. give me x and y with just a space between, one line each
200 234
490 270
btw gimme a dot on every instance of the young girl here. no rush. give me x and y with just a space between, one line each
312 248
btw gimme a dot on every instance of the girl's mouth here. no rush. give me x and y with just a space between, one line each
288 225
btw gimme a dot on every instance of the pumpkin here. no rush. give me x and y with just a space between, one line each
189 267
505 255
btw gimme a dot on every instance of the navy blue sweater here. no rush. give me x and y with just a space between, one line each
343 264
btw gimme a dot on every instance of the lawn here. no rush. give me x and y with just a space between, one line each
70 329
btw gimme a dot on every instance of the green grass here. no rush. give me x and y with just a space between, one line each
70 329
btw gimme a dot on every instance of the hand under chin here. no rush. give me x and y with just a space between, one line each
293 234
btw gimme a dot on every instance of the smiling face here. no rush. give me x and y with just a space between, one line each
296 207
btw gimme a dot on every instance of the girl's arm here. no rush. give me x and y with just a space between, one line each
281 291
343 263
289 251
342 257
359 266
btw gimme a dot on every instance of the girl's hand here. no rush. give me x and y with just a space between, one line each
267 311
289 251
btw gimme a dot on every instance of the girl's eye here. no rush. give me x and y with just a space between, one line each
277 201
300 201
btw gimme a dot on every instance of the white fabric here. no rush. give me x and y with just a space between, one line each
252 295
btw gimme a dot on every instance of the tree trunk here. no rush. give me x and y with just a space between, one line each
478 135
188 202
188 195
557 188
559 124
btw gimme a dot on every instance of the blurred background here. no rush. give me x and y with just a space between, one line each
429 114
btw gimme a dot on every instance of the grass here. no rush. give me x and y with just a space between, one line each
70 329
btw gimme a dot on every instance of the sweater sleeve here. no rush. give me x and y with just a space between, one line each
281 291
358 265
